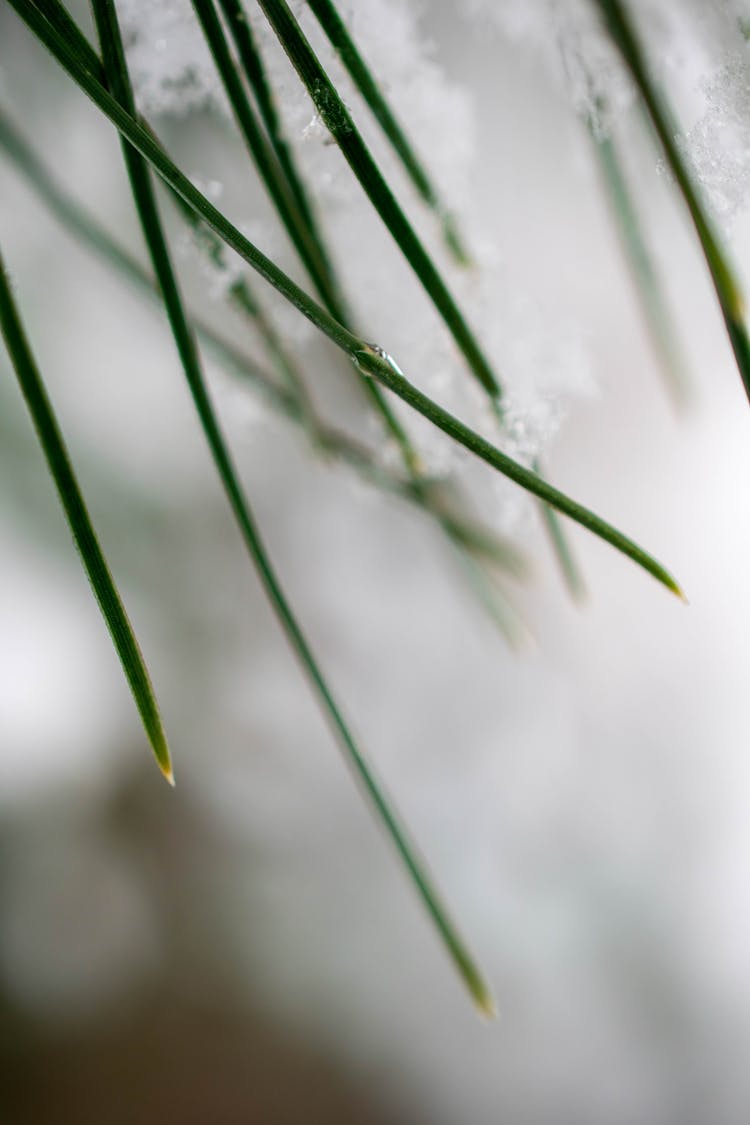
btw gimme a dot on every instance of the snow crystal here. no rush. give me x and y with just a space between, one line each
719 144
171 66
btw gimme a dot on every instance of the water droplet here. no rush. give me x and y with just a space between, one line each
375 349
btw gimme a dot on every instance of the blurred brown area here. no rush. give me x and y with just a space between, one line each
171 1061
184 1042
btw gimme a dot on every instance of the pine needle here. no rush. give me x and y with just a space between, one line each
365 81
727 287
338 121
648 287
76 514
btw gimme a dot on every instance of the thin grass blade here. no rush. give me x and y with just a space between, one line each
727 286
84 536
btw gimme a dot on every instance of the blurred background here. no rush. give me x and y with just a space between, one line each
245 947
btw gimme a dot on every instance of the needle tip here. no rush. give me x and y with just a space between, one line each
485 1003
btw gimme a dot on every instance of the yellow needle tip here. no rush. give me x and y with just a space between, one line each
168 773
485 1003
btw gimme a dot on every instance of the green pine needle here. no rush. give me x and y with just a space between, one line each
726 285
363 78
383 369
648 287
84 536
254 70
562 550
263 155
338 121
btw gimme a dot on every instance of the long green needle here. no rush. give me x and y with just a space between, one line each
84 536
727 287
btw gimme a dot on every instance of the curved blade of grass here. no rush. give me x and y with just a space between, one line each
340 39
365 354
61 469
338 121
115 67
726 285
255 74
